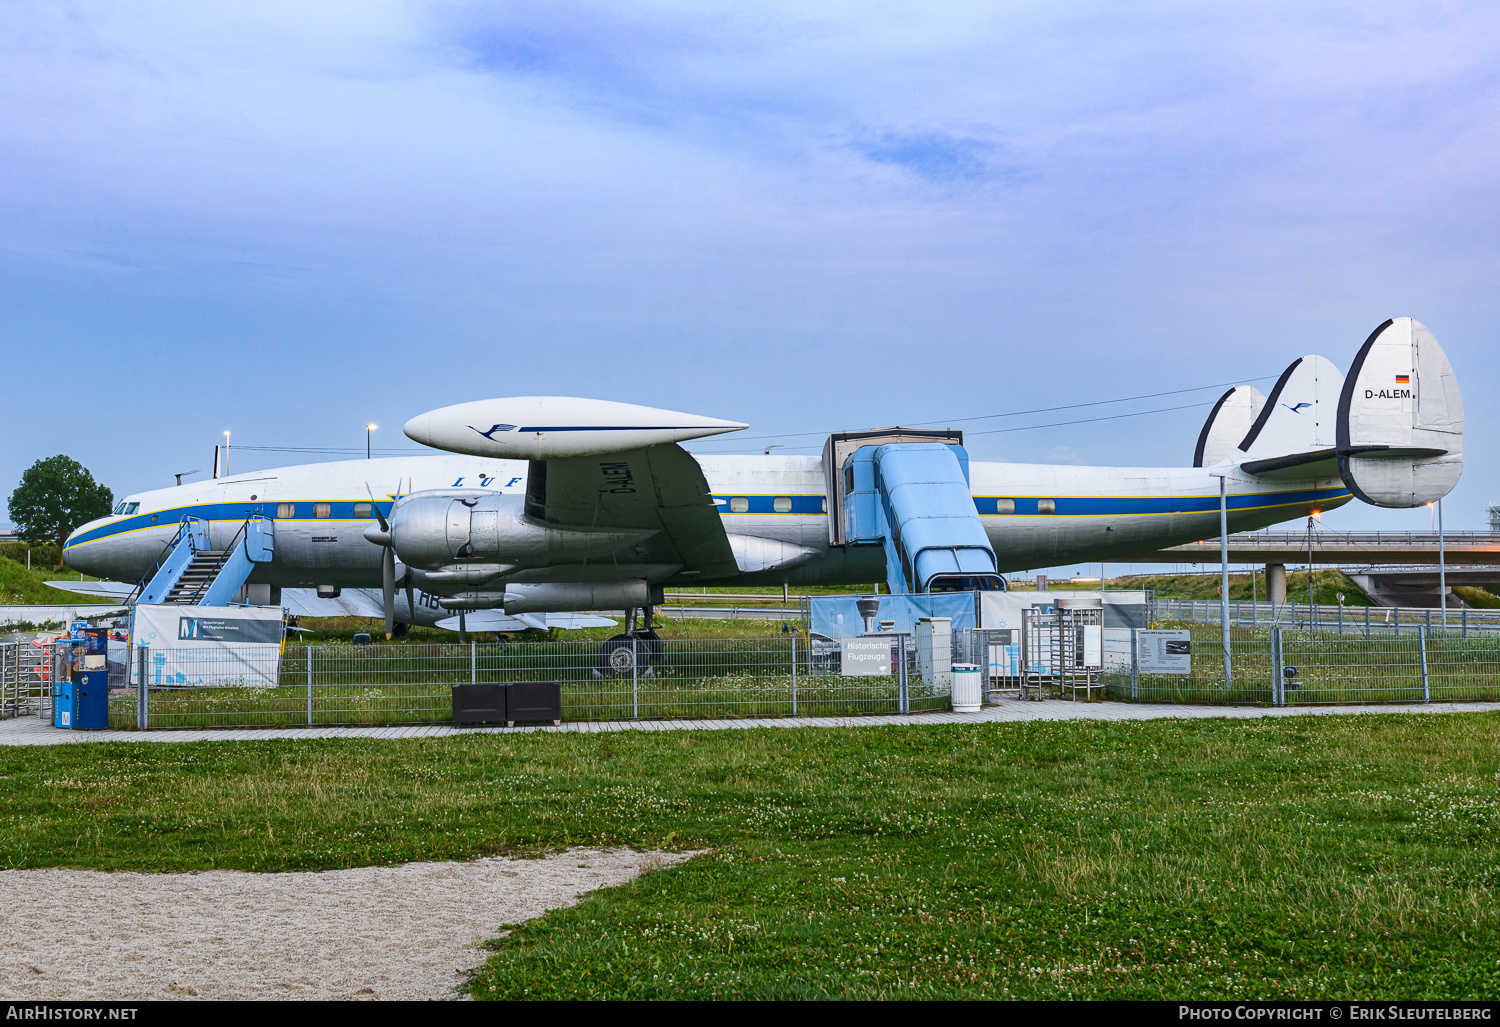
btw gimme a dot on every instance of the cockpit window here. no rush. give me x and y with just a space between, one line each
119 509
133 508
126 508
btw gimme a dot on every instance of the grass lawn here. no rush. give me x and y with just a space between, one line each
22 586
1348 857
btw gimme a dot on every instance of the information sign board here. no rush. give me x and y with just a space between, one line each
865 657
1164 652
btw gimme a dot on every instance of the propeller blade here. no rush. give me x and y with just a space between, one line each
376 507
388 589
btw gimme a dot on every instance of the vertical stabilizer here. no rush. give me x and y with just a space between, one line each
1229 420
1299 415
1401 419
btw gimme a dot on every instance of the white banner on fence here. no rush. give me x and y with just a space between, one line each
210 645
1165 652
865 657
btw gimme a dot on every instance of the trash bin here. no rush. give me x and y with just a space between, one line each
968 693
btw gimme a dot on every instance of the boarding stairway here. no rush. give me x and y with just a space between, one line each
897 489
190 572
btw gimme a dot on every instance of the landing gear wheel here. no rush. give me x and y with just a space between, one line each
618 656
650 646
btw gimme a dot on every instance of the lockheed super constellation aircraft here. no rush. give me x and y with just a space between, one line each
547 505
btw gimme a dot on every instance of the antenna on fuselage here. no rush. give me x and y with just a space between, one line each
179 474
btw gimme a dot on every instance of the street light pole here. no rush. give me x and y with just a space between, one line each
1224 570
1442 567
226 454
368 429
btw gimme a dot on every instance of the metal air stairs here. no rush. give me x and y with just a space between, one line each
190 572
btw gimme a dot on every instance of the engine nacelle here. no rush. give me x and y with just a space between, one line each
444 530
563 597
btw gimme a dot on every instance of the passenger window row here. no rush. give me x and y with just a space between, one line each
779 504
1043 506
288 510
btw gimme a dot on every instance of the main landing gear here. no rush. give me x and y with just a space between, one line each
633 653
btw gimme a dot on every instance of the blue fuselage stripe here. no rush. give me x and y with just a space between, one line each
801 505
1070 506
301 510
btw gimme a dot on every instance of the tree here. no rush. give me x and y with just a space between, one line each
55 496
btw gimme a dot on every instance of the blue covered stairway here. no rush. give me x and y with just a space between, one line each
913 498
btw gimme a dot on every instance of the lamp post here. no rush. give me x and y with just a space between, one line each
226 454
368 429
1442 567
1224 570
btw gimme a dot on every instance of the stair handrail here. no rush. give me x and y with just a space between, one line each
224 556
167 548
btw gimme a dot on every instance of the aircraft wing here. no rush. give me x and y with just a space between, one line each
102 589
660 488
354 602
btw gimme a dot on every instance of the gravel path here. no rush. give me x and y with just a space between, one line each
402 932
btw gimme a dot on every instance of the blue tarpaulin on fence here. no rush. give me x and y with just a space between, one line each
838 617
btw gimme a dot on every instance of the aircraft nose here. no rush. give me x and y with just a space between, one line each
85 558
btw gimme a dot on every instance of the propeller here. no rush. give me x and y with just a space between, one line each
387 568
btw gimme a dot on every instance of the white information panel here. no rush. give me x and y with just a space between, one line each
209 645
865 657
1093 646
1164 652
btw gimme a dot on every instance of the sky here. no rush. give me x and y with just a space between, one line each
290 220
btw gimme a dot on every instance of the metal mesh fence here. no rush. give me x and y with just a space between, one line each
767 677
1362 621
412 684
1296 666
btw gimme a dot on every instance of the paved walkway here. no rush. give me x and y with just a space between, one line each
33 731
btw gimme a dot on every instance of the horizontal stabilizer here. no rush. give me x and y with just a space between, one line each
1401 419
1228 422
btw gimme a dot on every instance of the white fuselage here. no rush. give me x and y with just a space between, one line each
1101 513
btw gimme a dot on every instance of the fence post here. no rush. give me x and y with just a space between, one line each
635 669
1398 622
1464 631
903 701
1367 623
143 690
1135 663
473 662
309 685
1422 645
794 673
1276 662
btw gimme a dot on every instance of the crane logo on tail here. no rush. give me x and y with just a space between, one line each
1298 408
493 429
